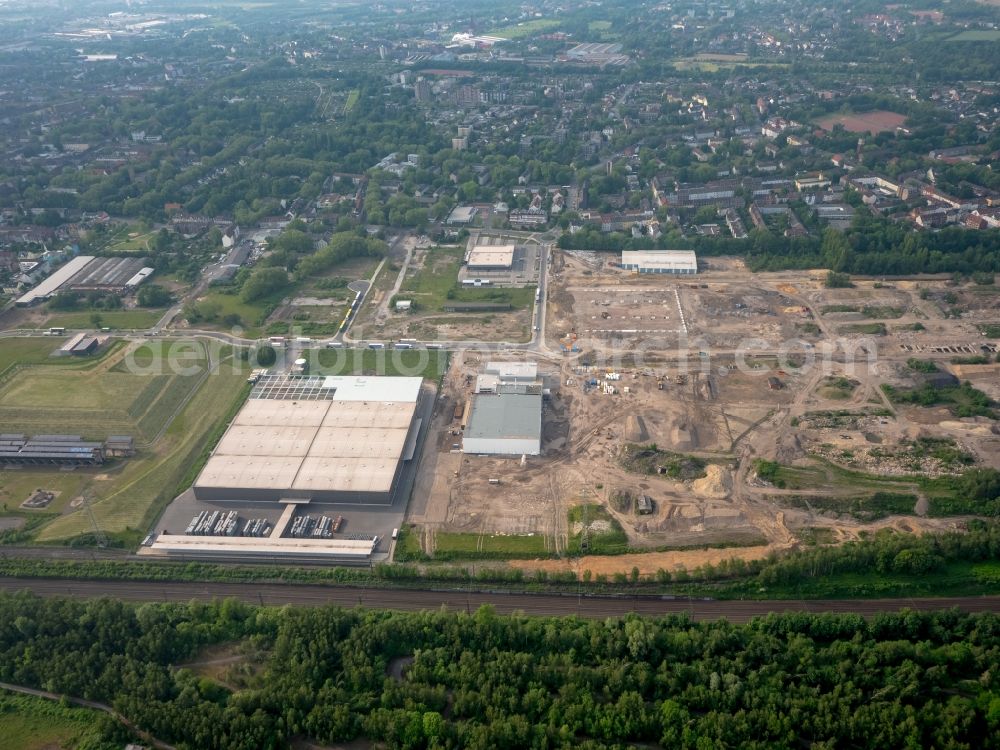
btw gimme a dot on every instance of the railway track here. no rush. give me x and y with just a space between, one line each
468 600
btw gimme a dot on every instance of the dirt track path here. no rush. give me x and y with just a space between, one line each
88 704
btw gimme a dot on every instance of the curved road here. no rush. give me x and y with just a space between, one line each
458 600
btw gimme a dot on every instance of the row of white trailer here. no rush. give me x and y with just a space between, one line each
218 523
323 527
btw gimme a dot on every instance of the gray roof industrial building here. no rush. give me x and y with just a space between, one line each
65 450
85 273
660 261
330 439
505 424
506 413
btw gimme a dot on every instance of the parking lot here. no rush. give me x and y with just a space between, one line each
624 311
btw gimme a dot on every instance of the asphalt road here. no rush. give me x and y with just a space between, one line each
542 604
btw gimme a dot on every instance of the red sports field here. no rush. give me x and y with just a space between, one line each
870 122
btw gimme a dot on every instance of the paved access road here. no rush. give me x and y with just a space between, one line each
542 604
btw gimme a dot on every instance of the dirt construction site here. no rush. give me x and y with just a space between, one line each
723 415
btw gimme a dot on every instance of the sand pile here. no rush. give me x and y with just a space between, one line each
635 430
717 482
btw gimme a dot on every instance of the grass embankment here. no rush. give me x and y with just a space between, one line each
425 363
975 492
886 565
114 319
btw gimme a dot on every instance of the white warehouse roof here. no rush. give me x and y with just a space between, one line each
661 260
492 256
49 286
373 388
353 442
516 370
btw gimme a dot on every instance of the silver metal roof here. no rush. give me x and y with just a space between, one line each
508 415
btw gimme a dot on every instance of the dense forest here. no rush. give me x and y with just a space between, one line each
439 679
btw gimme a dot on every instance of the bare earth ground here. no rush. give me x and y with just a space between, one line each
871 122
647 562
696 356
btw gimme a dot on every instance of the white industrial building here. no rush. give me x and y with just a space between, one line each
329 439
461 215
49 286
491 257
498 374
660 261
506 413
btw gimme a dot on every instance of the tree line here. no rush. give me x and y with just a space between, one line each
443 680
872 246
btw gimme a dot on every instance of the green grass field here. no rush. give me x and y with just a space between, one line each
17 485
352 100
436 284
976 35
456 546
39 724
128 245
120 240
430 284
135 391
109 319
715 65
430 364
38 351
525 29
408 546
125 392
251 314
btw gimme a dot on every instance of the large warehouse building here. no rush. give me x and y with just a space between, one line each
505 423
660 261
491 257
506 413
328 439
85 273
